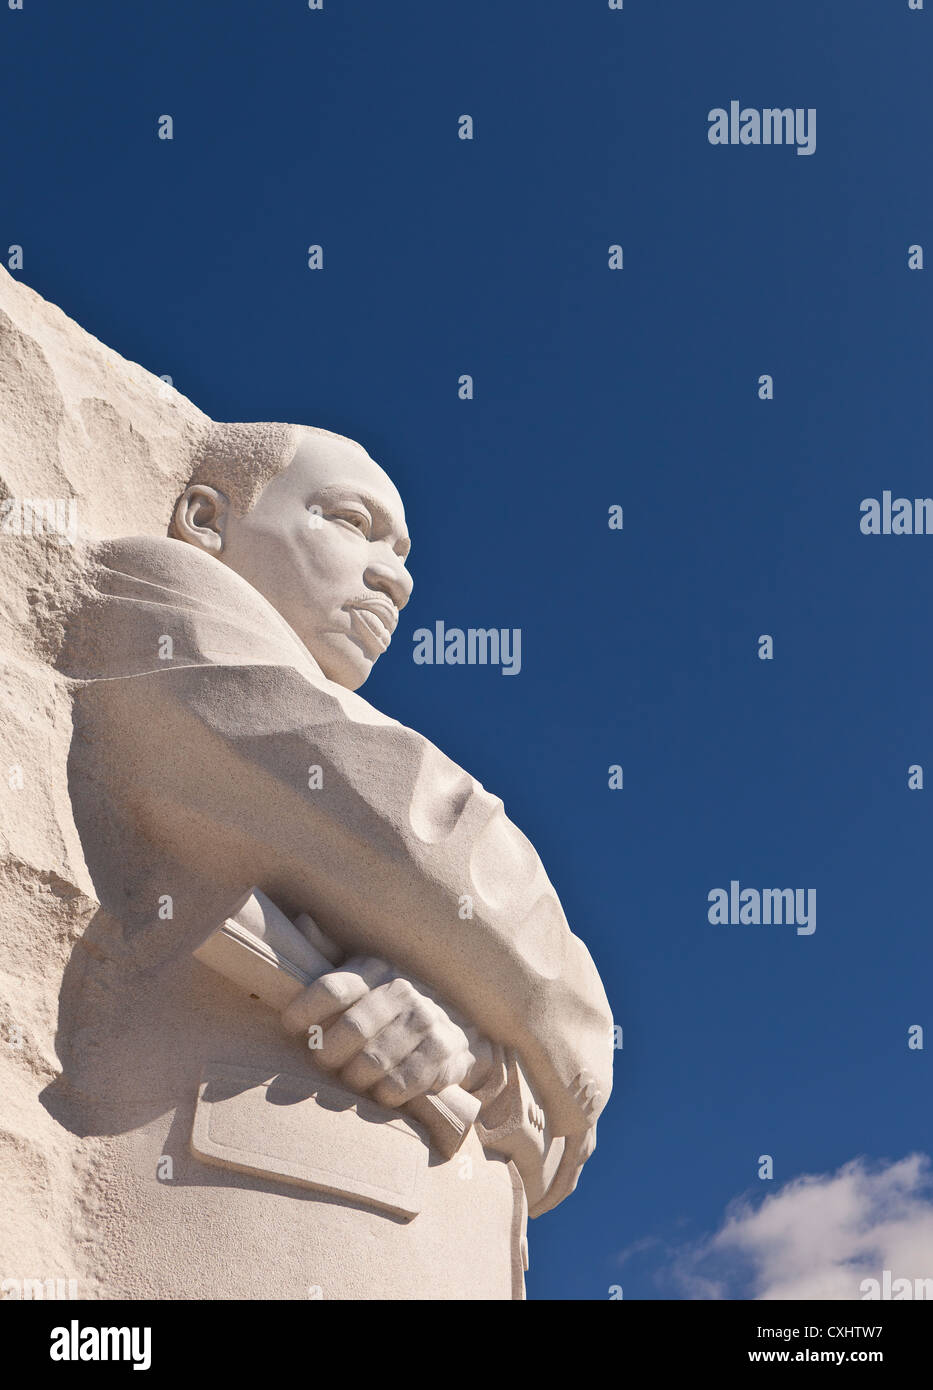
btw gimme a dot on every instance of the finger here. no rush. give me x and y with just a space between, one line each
588 1096
387 1049
482 1059
324 999
334 992
456 1071
349 1033
420 1070
374 970
565 1180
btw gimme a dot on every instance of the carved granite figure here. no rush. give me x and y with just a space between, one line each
293 1064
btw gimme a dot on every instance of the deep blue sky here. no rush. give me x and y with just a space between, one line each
637 387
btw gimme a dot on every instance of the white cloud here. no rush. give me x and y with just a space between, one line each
819 1236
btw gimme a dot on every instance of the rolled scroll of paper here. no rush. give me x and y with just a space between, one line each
268 957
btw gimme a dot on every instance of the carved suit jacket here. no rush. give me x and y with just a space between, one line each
199 715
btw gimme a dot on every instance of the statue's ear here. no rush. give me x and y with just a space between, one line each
200 517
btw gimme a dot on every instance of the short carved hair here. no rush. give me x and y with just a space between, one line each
239 460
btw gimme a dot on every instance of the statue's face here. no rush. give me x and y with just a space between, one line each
326 543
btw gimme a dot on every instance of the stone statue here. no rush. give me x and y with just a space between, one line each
324 1030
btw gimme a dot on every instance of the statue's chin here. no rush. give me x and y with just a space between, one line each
342 662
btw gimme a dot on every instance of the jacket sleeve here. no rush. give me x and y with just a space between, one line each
390 846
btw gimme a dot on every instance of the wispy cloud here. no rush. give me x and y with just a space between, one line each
818 1236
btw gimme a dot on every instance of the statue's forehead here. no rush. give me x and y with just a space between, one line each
329 465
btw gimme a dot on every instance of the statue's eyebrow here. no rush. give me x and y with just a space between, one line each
382 518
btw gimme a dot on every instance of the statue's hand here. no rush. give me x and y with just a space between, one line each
386 1036
577 1150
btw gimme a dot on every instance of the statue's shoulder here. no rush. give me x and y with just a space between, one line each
146 595
157 570
160 560
141 592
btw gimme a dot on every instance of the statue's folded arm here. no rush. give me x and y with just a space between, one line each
214 732
397 852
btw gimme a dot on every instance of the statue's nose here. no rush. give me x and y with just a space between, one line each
392 580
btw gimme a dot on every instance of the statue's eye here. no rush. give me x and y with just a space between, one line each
358 520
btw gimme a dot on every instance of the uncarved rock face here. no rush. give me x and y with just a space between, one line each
325 543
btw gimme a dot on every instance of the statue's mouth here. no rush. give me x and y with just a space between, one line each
374 622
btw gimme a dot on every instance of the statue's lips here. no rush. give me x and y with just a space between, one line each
373 624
